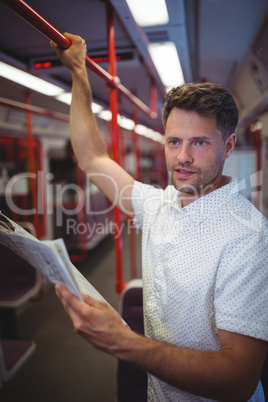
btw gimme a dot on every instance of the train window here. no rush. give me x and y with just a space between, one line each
242 164
16 187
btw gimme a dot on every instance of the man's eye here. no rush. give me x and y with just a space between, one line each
201 143
173 142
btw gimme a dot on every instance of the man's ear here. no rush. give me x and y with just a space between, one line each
229 146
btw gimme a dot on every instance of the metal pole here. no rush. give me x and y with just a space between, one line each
31 16
115 146
132 230
34 109
32 167
38 22
136 145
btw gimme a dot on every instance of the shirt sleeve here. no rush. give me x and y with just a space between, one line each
241 296
146 201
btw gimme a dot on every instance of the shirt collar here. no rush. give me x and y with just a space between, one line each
204 206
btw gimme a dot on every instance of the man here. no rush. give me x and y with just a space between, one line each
205 252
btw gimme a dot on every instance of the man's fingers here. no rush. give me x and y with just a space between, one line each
68 299
68 36
75 307
93 302
52 44
73 56
61 290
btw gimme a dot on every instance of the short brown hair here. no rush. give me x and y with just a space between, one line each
207 100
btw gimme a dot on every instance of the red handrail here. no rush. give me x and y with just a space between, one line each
33 18
34 109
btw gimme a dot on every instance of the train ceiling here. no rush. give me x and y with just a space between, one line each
212 38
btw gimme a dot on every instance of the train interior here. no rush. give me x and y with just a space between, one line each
220 41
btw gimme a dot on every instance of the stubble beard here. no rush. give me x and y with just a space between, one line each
188 188
202 182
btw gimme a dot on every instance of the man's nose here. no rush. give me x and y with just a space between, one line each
184 154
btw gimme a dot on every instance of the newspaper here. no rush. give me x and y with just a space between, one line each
50 257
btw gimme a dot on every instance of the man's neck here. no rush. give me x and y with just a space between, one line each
188 198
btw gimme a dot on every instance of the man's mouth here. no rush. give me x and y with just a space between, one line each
183 173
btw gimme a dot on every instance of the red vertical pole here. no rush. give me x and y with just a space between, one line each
136 144
115 146
41 195
32 169
120 134
132 232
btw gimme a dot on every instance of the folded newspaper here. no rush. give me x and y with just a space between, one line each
50 257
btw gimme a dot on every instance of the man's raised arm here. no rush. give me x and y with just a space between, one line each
87 142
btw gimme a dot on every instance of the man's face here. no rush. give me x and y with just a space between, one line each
195 152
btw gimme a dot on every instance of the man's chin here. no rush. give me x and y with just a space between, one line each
184 187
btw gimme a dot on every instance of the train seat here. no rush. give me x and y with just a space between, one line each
13 354
19 283
131 381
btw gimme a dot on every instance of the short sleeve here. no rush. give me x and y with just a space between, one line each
241 296
146 200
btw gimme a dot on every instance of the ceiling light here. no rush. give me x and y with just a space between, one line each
158 137
149 133
126 123
96 108
105 115
141 130
167 63
28 80
149 12
66 97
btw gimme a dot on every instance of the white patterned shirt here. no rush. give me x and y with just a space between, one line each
205 266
